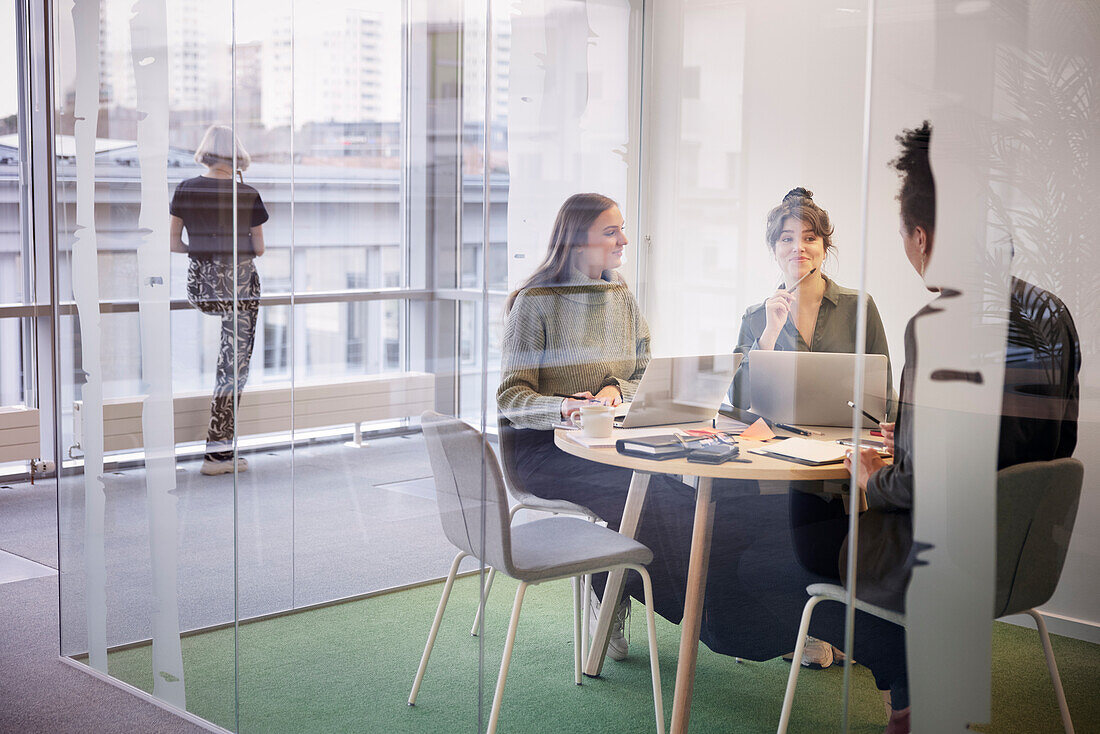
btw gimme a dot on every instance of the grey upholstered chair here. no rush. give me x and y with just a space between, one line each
527 501
1036 509
473 508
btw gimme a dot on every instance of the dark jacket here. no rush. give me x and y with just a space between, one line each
1041 393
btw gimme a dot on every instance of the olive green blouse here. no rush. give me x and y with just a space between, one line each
835 331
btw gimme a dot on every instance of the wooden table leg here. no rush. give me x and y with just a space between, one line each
632 513
693 606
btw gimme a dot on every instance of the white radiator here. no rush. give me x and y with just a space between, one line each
267 408
19 434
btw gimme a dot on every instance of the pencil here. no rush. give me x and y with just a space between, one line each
799 281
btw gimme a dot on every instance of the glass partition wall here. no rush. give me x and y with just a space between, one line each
239 422
281 232
239 412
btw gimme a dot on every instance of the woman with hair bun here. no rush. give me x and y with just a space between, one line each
817 316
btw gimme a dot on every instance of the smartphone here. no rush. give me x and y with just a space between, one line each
714 454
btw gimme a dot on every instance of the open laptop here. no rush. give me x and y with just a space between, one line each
813 388
679 390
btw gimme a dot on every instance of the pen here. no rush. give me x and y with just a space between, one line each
576 397
867 415
798 282
794 429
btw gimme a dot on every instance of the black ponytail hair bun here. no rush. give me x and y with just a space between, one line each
798 193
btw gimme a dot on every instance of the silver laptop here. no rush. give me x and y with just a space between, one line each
680 390
813 388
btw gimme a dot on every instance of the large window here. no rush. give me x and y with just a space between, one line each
14 331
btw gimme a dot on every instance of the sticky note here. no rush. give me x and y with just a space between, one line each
758 431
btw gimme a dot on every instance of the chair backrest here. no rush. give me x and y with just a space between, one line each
514 482
469 490
1036 509
506 434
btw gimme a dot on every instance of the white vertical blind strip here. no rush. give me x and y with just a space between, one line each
148 45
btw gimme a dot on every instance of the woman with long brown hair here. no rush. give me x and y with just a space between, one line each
574 328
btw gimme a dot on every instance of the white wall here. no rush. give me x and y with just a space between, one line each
1058 185
779 105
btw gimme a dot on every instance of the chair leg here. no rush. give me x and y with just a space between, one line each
509 642
654 663
1052 666
796 663
483 600
435 627
586 615
577 629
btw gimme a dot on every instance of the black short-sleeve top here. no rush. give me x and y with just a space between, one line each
205 205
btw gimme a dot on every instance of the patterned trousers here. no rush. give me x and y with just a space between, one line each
211 287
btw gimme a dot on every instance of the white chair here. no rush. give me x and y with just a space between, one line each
473 508
527 501
1036 508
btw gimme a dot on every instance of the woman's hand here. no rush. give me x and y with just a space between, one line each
258 239
887 435
610 395
777 308
571 406
869 463
175 234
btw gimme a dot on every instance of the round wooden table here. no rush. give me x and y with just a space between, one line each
760 468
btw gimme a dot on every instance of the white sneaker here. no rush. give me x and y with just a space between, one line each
817 654
616 641
213 468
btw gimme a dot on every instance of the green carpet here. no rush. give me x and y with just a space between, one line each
349 668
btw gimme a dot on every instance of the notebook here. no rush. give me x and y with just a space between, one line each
659 448
619 433
805 451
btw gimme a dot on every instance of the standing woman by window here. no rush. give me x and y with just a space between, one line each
204 206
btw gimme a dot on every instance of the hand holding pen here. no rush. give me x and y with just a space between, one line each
777 308
572 404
